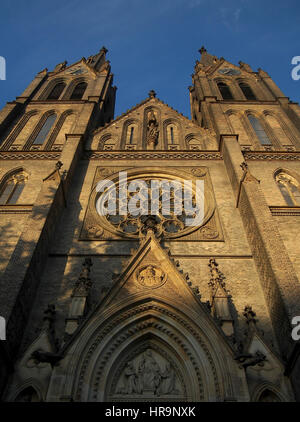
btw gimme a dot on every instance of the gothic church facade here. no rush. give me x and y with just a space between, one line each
145 308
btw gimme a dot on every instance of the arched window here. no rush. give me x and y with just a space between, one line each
172 134
56 91
238 128
45 129
247 91
12 188
259 130
131 134
289 187
78 91
276 127
107 142
225 91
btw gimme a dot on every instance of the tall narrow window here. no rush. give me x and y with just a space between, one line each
43 133
172 134
259 130
247 91
12 189
56 91
289 187
78 91
131 134
225 91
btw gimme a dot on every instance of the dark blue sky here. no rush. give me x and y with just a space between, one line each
152 44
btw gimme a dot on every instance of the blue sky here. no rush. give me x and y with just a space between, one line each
152 44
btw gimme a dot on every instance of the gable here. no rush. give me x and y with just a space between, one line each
174 131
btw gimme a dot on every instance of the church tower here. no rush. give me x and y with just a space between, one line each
142 306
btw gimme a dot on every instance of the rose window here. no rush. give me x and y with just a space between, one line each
170 219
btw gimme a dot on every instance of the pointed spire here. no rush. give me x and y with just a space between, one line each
206 59
84 283
247 176
103 50
245 66
250 315
217 278
49 317
220 299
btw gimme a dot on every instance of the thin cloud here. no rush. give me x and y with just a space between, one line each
230 17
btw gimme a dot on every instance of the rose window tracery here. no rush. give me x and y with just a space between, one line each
170 220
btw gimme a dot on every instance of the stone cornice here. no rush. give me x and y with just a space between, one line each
272 155
16 209
29 155
285 211
152 155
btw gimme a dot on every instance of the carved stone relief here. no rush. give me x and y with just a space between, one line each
148 374
151 276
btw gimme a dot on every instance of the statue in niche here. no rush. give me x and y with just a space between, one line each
167 385
130 379
149 377
152 130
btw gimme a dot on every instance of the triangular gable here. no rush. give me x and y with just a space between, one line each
224 64
151 271
80 68
158 103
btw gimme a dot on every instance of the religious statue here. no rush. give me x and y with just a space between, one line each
131 379
167 385
144 376
151 276
148 373
152 130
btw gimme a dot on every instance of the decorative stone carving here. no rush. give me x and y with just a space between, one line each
245 66
220 298
199 172
247 176
60 66
286 156
84 283
217 278
152 130
95 230
209 233
250 315
148 374
258 358
150 155
80 299
151 276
